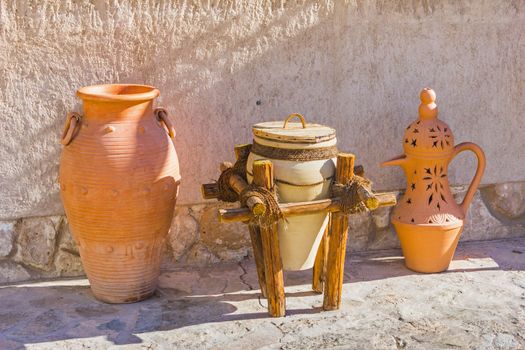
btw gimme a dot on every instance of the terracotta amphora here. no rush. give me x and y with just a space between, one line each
119 178
428 221
304 158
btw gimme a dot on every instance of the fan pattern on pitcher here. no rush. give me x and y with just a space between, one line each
435 136
439 139
433 179
442 219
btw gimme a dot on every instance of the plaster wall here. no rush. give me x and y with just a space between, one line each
222 66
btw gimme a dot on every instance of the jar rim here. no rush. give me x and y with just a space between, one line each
118 92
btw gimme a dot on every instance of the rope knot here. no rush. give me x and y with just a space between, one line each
273 212
348 194
226 192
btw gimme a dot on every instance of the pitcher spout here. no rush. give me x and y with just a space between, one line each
399 160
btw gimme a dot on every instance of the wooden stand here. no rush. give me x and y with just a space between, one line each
335 263
273 265
328 269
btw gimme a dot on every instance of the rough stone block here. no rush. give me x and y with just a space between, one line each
381 217
7 235
229 242
184 232
36 241
12 272
200 255
506 199
359 227
382 234
482 225
67 259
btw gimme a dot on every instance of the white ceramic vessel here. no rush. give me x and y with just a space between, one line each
303 157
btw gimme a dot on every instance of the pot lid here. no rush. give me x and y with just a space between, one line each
293 132
428 136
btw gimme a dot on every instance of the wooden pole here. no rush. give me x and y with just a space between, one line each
242 151
337 243
319 272
359 170
255 236
263 176
254 204
210 191
303 208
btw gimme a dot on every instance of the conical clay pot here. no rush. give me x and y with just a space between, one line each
119 178
427 219
428 248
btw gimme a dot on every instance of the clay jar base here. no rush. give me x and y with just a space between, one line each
127 300
428 248
116 282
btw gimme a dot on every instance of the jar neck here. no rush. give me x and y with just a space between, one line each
105 111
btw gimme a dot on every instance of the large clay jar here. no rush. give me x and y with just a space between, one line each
119 178
303 157
428 221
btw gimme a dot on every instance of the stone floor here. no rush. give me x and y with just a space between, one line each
479 304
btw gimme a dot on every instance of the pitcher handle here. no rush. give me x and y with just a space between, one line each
162 116
469 146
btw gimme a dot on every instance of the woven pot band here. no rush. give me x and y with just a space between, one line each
298 155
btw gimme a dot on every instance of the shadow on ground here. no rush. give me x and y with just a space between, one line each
66 309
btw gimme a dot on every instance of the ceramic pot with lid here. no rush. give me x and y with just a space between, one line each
427 219
304 161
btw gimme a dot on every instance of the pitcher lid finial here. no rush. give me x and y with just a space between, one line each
427 135
428 108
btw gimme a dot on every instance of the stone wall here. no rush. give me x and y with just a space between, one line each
222 66
41 247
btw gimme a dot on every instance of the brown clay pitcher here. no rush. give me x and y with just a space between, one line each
428 221
119 178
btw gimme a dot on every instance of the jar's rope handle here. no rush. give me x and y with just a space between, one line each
469 146
73 120
162 116
293 115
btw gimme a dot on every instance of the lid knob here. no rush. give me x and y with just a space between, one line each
428 108
293 115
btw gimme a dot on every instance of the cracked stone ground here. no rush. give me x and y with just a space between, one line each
479 304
